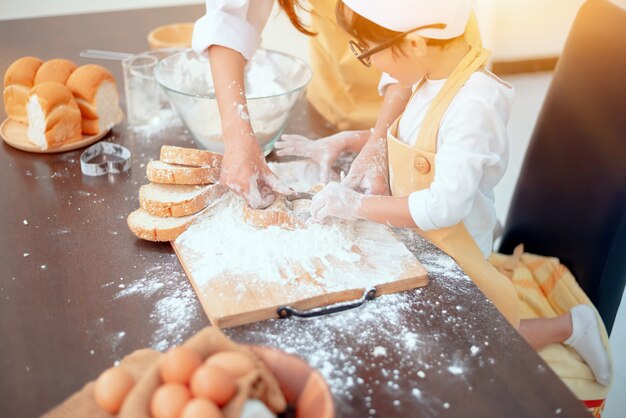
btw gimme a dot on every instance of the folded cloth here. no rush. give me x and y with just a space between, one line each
547 289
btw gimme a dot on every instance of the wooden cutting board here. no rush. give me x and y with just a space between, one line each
230 298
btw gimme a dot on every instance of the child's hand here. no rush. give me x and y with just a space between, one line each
336 200
368 173
324 151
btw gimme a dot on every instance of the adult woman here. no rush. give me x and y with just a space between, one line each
342 90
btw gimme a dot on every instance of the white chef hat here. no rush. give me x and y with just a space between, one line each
404 15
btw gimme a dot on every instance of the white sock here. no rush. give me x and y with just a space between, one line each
587 341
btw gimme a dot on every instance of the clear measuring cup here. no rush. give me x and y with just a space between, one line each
143 100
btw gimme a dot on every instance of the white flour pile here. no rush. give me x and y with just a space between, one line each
227 244
221 246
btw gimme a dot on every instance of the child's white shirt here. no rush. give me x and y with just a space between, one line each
472 155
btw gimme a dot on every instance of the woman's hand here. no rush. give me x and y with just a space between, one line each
336 200
324 151
245 172
369 172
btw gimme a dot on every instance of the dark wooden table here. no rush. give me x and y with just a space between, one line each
78 291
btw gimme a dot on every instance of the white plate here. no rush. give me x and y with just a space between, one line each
14 134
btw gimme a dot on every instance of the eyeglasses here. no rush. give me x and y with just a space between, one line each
363 54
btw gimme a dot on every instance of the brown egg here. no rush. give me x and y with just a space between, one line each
201 408
112 387
235 363
169 400
178 365
214 384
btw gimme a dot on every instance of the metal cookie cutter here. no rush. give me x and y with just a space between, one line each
104 158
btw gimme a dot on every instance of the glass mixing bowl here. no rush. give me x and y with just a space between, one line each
274 83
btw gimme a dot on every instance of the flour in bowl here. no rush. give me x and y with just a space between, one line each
273 84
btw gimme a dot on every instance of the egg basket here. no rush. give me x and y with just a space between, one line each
278 378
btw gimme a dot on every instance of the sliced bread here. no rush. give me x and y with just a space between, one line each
167 200
190 157
155 228
162 172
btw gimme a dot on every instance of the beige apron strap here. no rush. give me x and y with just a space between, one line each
472 32
473 60
467 65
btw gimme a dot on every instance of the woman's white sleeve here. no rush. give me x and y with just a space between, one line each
471 138
385 81
235 24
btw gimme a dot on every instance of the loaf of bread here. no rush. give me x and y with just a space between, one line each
167 200
57 70
95 91
190 157
19 78
156 228
160 172
53 116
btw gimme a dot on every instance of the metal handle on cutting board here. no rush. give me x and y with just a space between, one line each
288 311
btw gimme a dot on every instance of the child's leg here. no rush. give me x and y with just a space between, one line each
541 332
578 329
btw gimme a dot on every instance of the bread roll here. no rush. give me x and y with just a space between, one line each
57 70
167 200
53 116
18 80
95 91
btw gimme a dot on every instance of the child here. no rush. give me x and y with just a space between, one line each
447 152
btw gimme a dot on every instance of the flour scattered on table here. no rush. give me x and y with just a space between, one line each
417 393
174 308
379 351
456 370
168 119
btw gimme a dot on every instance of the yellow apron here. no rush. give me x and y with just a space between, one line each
413 168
